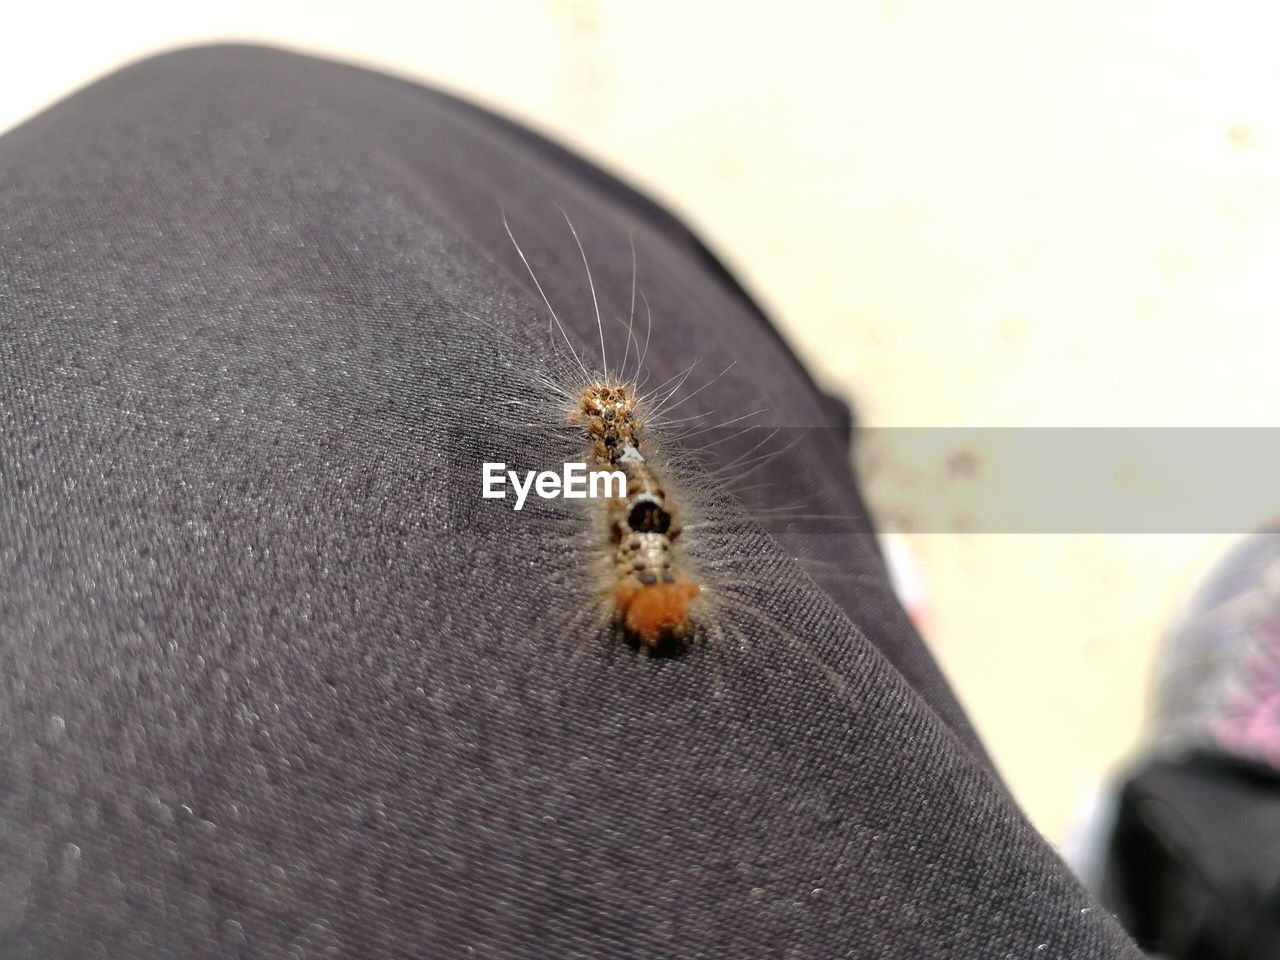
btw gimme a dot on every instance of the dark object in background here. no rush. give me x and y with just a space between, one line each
1194 865
1194 862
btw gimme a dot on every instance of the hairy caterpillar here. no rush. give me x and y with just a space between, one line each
652 597
663 576
651 591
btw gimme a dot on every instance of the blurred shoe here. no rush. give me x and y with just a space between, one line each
1193 867
1218 686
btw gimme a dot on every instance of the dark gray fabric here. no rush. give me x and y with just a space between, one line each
276 683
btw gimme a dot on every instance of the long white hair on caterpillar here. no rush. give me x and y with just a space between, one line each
662 572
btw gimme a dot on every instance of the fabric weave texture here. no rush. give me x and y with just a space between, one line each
275 682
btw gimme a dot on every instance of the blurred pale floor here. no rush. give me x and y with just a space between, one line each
984 214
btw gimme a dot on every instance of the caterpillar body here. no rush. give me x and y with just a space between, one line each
651 595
